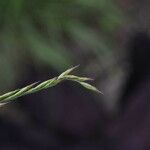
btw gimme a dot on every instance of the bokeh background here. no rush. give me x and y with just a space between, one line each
110 40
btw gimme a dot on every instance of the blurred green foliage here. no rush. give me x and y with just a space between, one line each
53 32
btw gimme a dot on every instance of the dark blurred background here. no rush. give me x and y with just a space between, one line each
110 40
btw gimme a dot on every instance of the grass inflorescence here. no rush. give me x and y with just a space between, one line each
38 86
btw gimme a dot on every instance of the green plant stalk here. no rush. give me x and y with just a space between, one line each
38 86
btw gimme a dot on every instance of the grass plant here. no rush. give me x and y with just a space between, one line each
38 86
